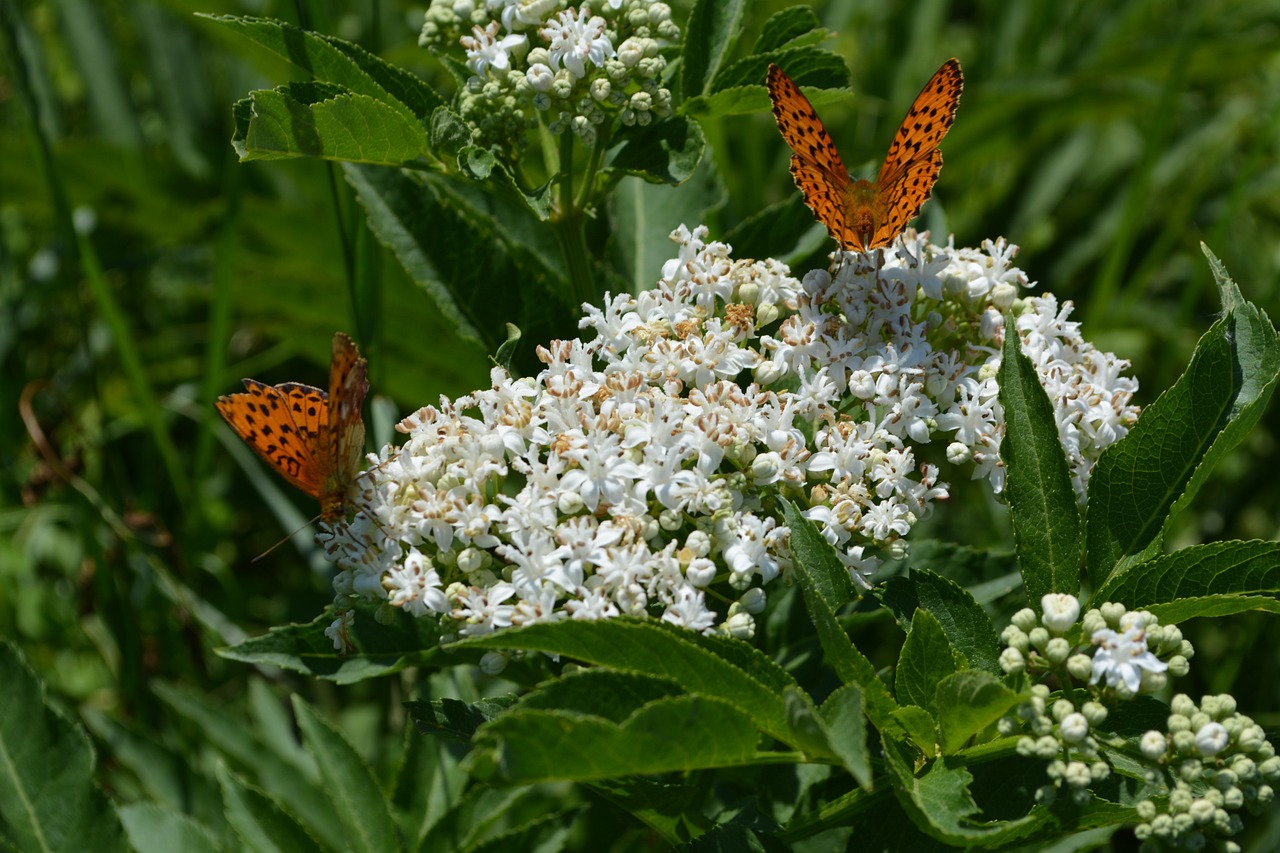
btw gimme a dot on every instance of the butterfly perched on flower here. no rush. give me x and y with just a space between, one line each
864 215
312 438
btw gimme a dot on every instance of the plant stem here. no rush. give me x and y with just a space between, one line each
570 230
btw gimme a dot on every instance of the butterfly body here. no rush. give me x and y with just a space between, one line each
313 438
863 215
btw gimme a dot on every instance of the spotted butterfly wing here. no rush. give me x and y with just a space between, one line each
312 438
862 215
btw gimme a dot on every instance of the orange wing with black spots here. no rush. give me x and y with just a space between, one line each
312 438
862 215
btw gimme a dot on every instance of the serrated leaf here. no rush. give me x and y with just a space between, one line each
703 666
926 659
682 733
826 586
48 798
349 783
337 61
154 828
1203 580
376 649
1038 490
259 823
920 726
787 25
939 803
808 729
662 152
710 34
599 692
968 702
821 71
1155 470
845 716
324 121
968 627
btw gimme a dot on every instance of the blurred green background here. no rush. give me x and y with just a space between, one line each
143 271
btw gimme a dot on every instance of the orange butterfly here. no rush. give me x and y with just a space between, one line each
315 440
862 215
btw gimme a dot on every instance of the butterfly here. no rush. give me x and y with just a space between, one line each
862 215
312 438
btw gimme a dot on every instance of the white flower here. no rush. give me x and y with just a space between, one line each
575 41
1121 659
415 586
485 49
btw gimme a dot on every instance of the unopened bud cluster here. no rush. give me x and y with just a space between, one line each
544 60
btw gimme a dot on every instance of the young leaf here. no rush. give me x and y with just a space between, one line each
333 60
926 659
1156 469
968 702
681 733
968 628
378 649
357 797
1042 502
662 152
325 121
709 36
48 798
844 713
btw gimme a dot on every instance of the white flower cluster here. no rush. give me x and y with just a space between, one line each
544 56
638 472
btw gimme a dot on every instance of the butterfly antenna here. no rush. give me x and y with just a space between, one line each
285 539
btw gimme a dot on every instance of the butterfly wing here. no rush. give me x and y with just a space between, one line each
928 120
283 424
344 440
903 198
815 163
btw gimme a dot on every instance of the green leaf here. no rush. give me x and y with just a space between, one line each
939 803
154 828
259 823
48 799
709 36
926 659
968 628
786 26
1042 502
739 88
1202 580
671 808
357 797
682 733
333 60
967 703
920 726
661 152
455 718
273 766
703 666
642 217
323 120
1155 470
845 716
376 649
826 586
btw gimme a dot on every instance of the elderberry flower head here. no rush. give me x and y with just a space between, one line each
638 473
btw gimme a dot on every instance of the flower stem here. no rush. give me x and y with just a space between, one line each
570 230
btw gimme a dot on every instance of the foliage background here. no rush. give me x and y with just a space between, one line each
1106 138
